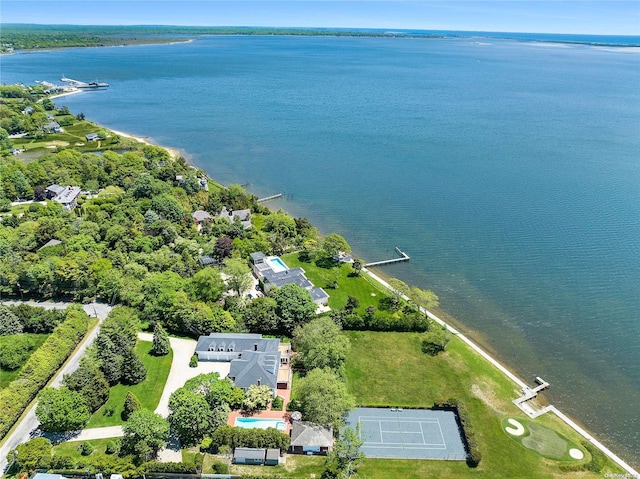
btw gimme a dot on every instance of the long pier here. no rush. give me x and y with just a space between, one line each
403 257
268 198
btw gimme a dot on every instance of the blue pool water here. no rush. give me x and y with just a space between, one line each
277 264
259 423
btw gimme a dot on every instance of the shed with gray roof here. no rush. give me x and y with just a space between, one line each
307 437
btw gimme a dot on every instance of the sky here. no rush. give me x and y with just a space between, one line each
606 17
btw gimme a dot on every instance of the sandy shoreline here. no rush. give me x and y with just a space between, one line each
66 93
173 152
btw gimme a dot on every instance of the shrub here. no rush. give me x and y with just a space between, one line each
193 362
133 369
62 462
14 350
277 403
9 322
261 438
33 454
112 447
131 405
109 411
86 449
219 467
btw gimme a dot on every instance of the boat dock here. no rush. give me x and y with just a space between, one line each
403 257
81 84
268 198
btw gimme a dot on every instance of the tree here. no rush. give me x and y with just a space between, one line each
131 405
223 247
257 397
9 322
333 244
345 457
190 416
133 369
323 398
424 298
90 382
294 306
260 316
145 433
435 340
321 344
238 275
161 344
31 455
61 410
208 285
357 266
399 287
14 350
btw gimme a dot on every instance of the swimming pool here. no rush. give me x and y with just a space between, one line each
277 265
259 423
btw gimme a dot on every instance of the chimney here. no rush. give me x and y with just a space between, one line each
259 382
255 346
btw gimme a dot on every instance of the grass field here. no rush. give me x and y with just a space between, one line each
73 448
7 376
148 391
366 291
388 369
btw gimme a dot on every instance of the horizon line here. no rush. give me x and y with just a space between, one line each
312 28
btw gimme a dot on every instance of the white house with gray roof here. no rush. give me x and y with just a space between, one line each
254 360
272 272
244 216
68 197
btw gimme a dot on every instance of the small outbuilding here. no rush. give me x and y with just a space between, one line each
309 438
273 457
249 455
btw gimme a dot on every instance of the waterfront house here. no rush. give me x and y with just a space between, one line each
254 360
272 272
92 137
309 438
53 127
244 216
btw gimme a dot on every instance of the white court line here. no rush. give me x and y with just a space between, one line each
442 436
405 432
393 445
422 433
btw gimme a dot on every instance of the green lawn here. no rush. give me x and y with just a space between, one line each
7 376
296 466
148 391
361 287
388 369
73 448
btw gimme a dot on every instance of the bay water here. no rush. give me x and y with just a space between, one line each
508 170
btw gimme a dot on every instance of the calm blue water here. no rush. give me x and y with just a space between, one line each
508 170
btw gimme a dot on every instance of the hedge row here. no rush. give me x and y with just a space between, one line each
40 367
474 456
240 437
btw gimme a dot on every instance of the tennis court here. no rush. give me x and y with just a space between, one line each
408 433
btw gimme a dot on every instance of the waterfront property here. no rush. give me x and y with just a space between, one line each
254 360
309 438
244 216
92 137
272 272
200 217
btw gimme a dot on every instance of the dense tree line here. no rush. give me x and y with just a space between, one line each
241 437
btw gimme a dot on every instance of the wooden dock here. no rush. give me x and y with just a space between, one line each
403 257
269 198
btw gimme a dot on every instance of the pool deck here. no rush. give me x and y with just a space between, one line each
285 394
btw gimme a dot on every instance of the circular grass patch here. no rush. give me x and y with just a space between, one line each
544 441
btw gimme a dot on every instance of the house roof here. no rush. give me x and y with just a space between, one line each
92 136
255 367
273 454
249 453
289 276
309 434
201 215
241 342
68 195
51 242
207 260
43 475
319 294
57 189
257 256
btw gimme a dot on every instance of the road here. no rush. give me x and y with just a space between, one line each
28 427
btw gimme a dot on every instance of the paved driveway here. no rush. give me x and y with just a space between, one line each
183 349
